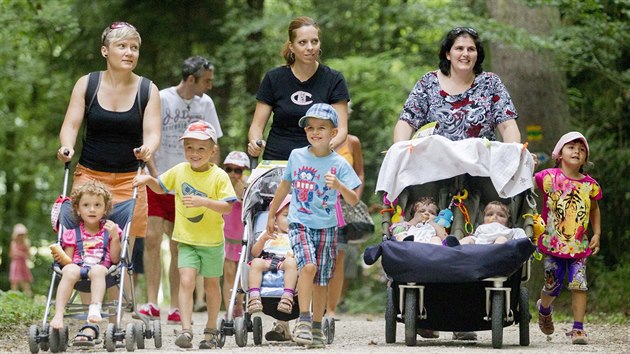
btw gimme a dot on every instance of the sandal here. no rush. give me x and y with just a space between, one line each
211 341
286 303
87 339
94 313
184 339
254 305
302 334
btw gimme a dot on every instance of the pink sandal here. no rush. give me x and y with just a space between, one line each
286 303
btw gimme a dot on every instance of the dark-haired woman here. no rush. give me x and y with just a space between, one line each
463 100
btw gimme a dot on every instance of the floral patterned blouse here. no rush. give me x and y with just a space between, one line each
475 113
566 210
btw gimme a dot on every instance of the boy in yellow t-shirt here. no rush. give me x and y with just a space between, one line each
203 192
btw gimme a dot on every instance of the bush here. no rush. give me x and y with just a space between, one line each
18 310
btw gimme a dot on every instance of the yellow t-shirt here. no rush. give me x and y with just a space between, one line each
197 226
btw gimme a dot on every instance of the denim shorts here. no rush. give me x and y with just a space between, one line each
315 246
555 270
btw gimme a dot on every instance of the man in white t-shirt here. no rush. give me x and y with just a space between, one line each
181 105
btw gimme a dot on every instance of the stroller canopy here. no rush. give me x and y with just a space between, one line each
433 158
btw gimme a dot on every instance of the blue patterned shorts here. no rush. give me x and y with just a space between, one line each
314 246
555 270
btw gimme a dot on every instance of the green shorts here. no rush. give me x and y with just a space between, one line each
208 261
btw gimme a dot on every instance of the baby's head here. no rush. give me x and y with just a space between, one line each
282 220
496 212
425 209
92 194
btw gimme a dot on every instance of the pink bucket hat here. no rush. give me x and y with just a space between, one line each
237 158
284 203
567 138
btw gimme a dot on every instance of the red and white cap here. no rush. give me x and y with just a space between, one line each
200 130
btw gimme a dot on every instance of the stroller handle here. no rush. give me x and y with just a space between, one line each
254 160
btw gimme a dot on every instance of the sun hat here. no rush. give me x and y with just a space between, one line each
237 158
320 111
567 138
284 203
19 229
200 130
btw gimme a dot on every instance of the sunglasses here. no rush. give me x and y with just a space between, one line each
113 26
459 30
238 171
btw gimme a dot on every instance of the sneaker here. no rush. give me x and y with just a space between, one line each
465 335
302 334
578 336
279 333
150 310
319 340
545 322
174 318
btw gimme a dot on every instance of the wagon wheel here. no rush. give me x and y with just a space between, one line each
411 315
498 309
524 317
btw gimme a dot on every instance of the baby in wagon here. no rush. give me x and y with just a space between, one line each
422 226
273 252
495 228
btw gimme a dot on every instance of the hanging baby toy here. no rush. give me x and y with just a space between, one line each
445 217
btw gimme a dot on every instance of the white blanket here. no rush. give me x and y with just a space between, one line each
434 158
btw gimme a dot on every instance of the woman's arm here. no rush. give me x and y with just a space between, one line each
402 131
509 131
151 126
257 128
357 157
72 120
341 108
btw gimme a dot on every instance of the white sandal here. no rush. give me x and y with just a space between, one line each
94 313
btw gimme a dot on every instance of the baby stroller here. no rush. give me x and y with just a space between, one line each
461 288
43 337
261 187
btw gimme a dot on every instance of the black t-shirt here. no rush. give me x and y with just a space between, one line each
290 99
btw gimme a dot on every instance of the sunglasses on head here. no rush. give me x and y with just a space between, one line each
459 30
238 171
116 25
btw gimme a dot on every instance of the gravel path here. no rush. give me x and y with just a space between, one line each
366 334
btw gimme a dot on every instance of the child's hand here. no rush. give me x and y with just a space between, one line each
192 201
141 180
112 229
594 243
331 181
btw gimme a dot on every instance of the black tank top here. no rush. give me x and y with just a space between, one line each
110 138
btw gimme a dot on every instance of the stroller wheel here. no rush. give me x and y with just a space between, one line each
411 315
524 316
390 317
220 325
157 334
44 345
56 339
130 337
110 341
258 330
240 331
140 335
328 327
498 309
33 336
64 338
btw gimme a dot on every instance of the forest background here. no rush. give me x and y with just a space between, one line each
565 63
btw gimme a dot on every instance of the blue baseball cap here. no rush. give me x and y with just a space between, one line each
320 111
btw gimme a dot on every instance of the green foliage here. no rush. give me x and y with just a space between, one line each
16 310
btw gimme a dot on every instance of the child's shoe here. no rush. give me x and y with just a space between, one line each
319 340
578 336
286 303
254 305
150 310
302 334
184 339
174 317
211 340
545 322
279 333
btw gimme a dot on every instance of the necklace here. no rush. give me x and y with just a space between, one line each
187 102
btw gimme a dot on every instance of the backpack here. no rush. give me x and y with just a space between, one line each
94 80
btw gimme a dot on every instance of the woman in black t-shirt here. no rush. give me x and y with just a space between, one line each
290 90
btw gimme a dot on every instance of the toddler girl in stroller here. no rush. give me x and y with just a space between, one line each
93 247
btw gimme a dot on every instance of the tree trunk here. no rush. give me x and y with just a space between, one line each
537 86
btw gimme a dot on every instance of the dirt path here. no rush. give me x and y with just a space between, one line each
366 334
